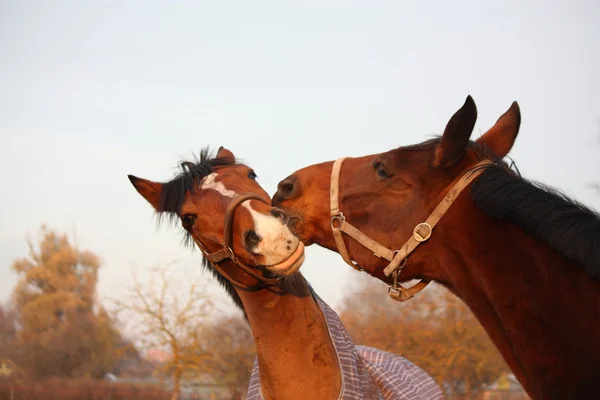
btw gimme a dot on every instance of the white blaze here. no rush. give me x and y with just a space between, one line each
210 182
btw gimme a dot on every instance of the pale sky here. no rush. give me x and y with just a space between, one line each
93 91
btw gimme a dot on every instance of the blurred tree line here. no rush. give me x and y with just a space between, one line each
435 330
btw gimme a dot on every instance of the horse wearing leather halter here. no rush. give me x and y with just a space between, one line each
525 259
397 258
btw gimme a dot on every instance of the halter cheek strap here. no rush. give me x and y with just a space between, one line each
397 258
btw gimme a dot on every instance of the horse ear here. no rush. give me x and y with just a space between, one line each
149 190
226 155
456 135
501 137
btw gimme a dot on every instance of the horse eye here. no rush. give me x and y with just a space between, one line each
252 175
187 221
380 170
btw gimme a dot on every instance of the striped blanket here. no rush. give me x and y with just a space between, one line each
367 373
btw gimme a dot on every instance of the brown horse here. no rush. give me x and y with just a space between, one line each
302 349
288 327
524 258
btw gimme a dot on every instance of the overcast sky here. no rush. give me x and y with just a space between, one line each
91 91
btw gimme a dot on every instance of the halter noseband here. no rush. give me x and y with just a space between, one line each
226 252
397 258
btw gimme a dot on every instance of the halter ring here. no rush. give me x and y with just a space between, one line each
339 218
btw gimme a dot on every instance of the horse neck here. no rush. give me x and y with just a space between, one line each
295 353
539 308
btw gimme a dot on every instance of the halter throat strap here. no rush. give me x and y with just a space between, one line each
226 251
397 258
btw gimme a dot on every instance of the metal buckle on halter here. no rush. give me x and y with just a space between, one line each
230 253
340 218
422 236
396 291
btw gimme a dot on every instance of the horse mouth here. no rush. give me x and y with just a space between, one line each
291 264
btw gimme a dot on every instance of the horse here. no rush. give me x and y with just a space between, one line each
523 257
303 350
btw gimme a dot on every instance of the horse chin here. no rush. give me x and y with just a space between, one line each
301 233
291 264
294 268
305 239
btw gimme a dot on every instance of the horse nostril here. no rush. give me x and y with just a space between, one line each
251 239
278 213
285 188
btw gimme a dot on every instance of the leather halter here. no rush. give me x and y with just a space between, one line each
397 258
226 252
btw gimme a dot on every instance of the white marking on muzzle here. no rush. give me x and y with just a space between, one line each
274 234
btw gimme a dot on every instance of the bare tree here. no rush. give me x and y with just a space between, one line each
232 342
163 317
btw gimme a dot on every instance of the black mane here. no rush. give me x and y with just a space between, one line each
565 225
173 196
